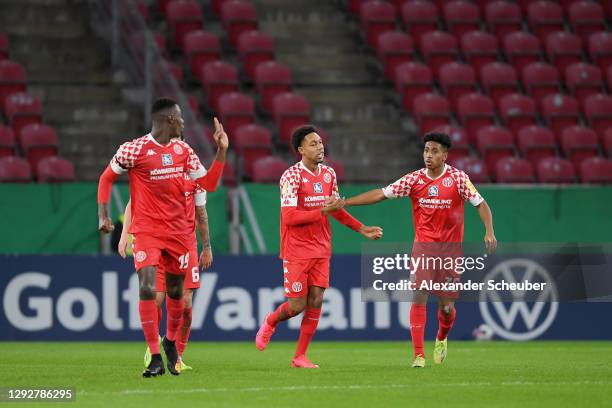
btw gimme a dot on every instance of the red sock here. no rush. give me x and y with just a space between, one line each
418 318
274 317
307 330
174 312
159 316
182 335
148 319
445 323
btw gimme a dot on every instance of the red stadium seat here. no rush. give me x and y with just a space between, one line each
235 110
269 169
237 17
600 49
15 170
7 141
355 6
289 111
559 112
411 80
37 142
218 78
22 109
536 143
579 143
475 169
183 16
522 49
431 111
586 18
460 142
162 6
438 48
479 48
494 143
271 78
461 17
394 48
4 46
199 48
607 142
254 47
555 170
13 79
55 169
503 18
457 79
216 6
596 170
513 170
541 80
419 18
517 111
376 17
582 80
545 17
475 111
563 49
338 167
498 80
598 112
251 142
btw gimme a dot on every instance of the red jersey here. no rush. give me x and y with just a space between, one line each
194 196
306 191
437 204
157 186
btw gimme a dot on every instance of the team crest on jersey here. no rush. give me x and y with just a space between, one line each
447 182
327 178
318 188
140 256
178 149
296 287
433 191
167 160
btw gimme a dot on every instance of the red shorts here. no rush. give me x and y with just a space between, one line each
440 270
192 276
300 274
169 253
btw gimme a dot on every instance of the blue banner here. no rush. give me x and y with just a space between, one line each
96 298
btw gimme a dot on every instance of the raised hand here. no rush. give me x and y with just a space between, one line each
220 136
372 233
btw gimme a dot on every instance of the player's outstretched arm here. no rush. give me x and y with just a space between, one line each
210 181
206 256
487 219
105 224
124 241
367 198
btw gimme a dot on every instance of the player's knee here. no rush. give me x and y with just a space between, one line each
297 306
175 292
147 291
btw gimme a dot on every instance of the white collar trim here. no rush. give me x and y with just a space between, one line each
441 174
303 166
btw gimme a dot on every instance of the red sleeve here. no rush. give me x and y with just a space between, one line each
347 219
293 216
106 183
210 180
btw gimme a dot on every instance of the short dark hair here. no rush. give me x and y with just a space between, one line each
163 104
299 134
438 137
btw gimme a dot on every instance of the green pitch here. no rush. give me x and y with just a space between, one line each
352 374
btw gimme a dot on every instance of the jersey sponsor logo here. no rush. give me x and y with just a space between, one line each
318 188
296 287
151 152
140 256
432 191
327 178
447 182
167 160
178 149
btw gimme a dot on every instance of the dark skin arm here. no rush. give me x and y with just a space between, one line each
206 256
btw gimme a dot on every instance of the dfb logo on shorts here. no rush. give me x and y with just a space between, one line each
140 256
296 287
318 188
433 191
167 160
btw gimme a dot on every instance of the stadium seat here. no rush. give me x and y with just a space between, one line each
457 79
498 80
271 78
15 170
596 170
475 111
376 17
289 111
522 49
338 167
461 17
218 78
7 141
13 79
494 143
600 49
237 17
503 18
586 18
582 80
54 169
215 5
479 48
269 169
37 141
4 46
431 111
459 139
555 170
513 170
607 142
559 112
517 111
438 48
544 18
254 47
475 169
235 110
579 143
200 47
355 6
563 49
21 109
411 80
598 112
541 80
251 142
536 143
394 48
183 16
419 18
162 6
